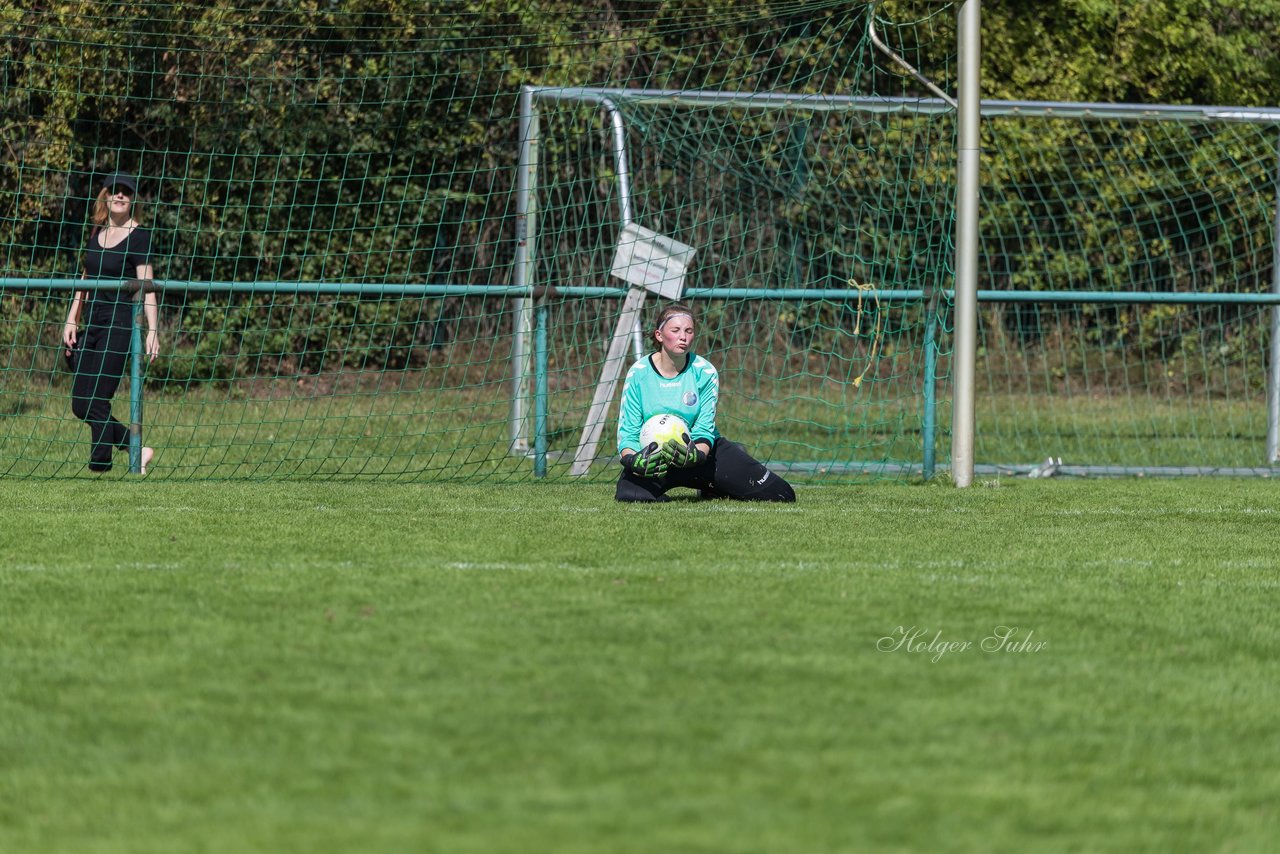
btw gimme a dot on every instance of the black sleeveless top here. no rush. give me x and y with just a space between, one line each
117 262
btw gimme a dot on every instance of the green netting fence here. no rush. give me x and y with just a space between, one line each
383 235
331 191
1130 253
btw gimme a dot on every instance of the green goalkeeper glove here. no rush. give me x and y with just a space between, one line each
651 462
684 455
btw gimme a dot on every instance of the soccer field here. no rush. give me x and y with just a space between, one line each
1029 666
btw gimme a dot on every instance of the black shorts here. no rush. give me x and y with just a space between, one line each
728 472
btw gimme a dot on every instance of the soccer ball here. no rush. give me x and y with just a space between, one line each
662 429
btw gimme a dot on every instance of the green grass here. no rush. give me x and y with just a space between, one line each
380 667
401 427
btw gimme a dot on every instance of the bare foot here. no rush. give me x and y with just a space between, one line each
147 454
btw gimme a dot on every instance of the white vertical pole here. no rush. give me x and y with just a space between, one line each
522 273
966 308
626 215
629 319
1273 378
612 370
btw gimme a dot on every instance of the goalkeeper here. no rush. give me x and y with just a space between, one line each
675 380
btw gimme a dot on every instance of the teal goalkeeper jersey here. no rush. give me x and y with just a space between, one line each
692 394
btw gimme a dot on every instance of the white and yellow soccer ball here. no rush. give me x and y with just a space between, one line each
663 428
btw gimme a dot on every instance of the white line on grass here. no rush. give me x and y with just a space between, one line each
523 567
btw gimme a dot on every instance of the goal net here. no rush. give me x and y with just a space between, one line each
331 193
1129 257
822 258
366 267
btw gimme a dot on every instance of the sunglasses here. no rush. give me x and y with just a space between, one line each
120 188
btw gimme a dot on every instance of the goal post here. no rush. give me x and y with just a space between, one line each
1273 364
968 181
628 111
1125 248
629 317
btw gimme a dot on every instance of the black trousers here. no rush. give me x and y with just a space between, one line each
103 354
729 472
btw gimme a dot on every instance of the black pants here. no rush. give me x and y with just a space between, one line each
729 472
103 354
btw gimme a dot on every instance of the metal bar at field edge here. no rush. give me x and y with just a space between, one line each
521 273
617 129
817 294
540 386
135 380
626 212
1273 379
881 468
908 67
877 104
928 438
968 152
1129 297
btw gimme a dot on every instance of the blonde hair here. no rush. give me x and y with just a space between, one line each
674 310
99 214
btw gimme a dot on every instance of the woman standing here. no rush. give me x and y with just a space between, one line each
677 381
118 248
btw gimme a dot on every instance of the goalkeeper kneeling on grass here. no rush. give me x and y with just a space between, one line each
675 380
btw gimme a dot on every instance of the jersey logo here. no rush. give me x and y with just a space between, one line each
690 398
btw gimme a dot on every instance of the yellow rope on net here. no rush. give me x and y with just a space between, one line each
857 326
